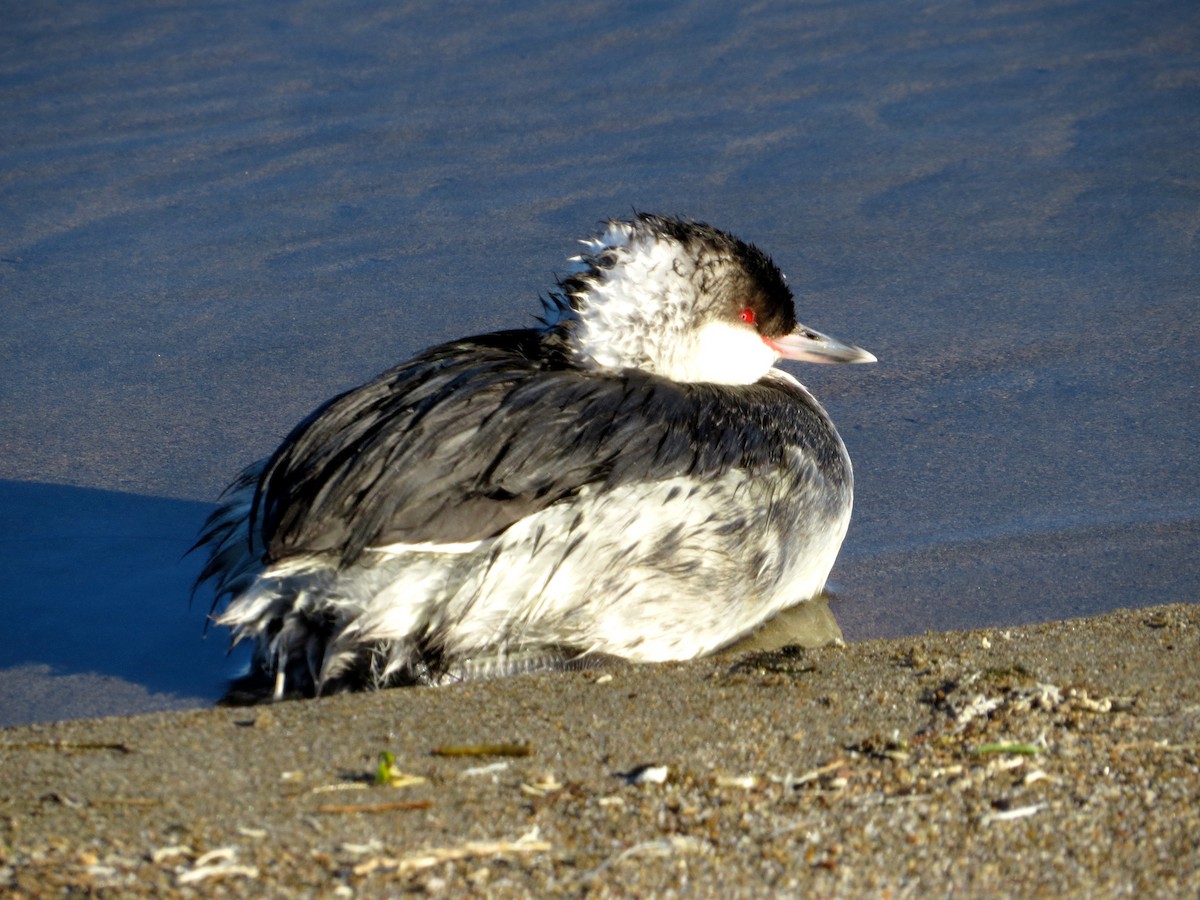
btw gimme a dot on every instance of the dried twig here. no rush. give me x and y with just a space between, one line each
374 807
483 750
67 746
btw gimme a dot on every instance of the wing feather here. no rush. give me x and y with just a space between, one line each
470 437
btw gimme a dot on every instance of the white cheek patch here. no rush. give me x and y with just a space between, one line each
724 353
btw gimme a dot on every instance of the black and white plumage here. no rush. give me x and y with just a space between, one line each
633 478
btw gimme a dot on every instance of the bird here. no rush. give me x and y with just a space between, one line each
631 478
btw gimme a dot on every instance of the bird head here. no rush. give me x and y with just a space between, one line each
685 301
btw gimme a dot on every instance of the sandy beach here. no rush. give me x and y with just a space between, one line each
1058 759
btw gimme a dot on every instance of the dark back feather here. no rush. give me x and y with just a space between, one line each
472 436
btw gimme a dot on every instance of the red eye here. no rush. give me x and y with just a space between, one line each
747 316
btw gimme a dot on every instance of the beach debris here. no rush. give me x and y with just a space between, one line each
648 773
339 786
389 774
1079 699
490 769
257 834
483 750
548 789
952 771
387 806
819 773
979 705
101 872
745 782
544 785
386 768
67 746
221 854
879 747
1007 815
219 863
530 842
162 854
63 800
1012 700
1009 747
1003 764
225 870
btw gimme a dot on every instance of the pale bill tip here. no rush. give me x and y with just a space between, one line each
806 345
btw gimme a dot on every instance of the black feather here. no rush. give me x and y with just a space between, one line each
472 436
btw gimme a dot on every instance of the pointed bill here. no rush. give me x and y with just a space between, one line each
807 345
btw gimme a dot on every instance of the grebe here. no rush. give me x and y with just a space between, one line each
634 478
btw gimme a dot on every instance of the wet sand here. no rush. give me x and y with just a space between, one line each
1052 759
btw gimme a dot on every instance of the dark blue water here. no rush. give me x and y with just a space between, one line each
215 215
